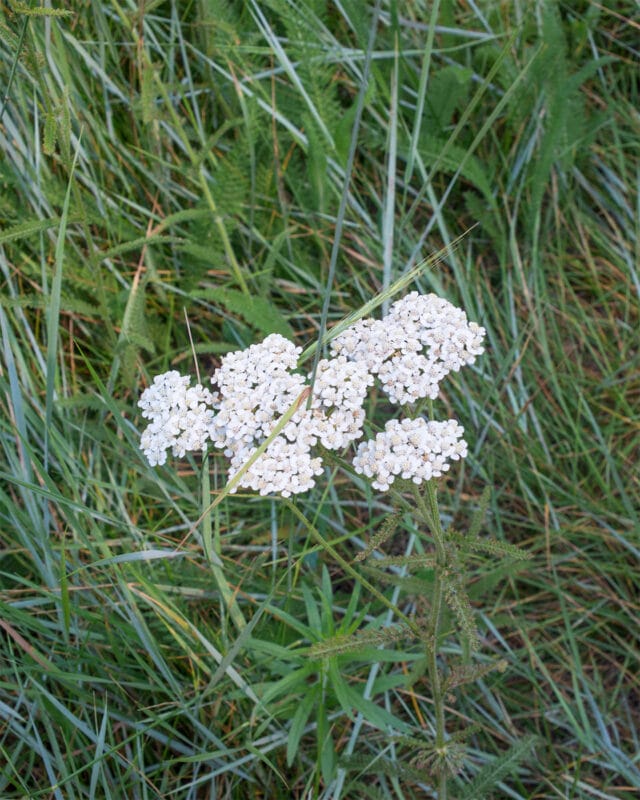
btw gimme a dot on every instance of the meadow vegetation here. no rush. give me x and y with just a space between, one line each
181 178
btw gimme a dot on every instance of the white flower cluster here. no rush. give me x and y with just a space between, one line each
412 449
336 415
252 406
421 340
180 417
411 350
256 387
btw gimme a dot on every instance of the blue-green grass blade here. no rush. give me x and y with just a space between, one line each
388 214
422 93
53 311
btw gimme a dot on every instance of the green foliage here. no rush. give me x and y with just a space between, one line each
492 774
316 678
259 312
387 529
211 142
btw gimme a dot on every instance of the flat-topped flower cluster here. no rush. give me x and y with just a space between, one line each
421 340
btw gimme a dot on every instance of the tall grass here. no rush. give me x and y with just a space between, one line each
171 160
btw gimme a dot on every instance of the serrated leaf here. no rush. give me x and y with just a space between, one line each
387 529
134 320
479 515
8 36
416 561
147 96
468 673
39 11
381 766
259 312
50 134
23 302
491 774
138 243
458 601
29 228
364 640
496 547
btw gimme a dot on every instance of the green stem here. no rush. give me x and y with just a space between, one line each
431 514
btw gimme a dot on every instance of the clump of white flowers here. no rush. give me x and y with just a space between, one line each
412 449
257 387
421 340
410 351
394 356
180 416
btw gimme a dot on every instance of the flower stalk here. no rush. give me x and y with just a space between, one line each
431 516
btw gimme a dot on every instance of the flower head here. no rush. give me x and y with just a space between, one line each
180 417
417 344
257 387
411 350
412 449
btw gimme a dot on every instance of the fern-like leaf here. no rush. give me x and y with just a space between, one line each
419 561
39 11
339 645
382 766
259 312
496 547
468 673
458 601
387 529
490 775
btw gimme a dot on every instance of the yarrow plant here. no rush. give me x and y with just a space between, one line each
276 430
